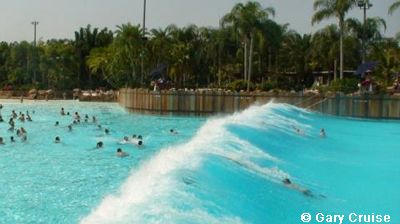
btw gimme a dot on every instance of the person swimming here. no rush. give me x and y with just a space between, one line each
62 112
99 145
2 141
106 131
322 133
303 190
140 143
172 131
28 118
298 130
125 140
12 139
12 127
121 153
94 119
57 140
1 119
99 127
57 123
70 128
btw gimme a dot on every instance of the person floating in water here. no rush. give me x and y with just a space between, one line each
125 140
172 131
99 127
28 118
140 143
303 190
57 140
57 123
1 141
12 139
299 131
322 133
1 119
99 145
62 112
106 131
121 153
69 128
94 119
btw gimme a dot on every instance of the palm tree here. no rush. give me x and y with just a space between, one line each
246 19
326 9
394 7
372 29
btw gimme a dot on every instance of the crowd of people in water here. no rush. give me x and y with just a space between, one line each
134 139
76 120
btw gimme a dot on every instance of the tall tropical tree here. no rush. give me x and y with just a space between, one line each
327 9
395 6
246 19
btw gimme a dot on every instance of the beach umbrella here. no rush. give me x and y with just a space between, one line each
365 67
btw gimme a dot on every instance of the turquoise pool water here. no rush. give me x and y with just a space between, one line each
217 170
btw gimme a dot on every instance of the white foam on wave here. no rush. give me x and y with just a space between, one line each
144 195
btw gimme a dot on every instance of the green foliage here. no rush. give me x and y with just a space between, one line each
239 85
268 86
248 43
349 85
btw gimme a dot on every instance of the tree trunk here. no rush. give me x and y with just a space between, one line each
250 62
341 24
245 60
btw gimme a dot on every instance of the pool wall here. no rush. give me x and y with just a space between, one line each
209 102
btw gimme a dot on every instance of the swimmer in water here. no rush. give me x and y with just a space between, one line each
140 143
69 127
12 127
298 130
99 145
107 132
303 190
76 116
121 153
62 112
57 123
1 119
28 118
57 140
12 139
14 115
1 141
94 119
99 127
172 131
322 133
140 137
125 140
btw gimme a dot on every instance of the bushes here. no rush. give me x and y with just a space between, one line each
240 85
267 86
344 85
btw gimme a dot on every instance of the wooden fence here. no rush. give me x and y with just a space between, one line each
215 102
